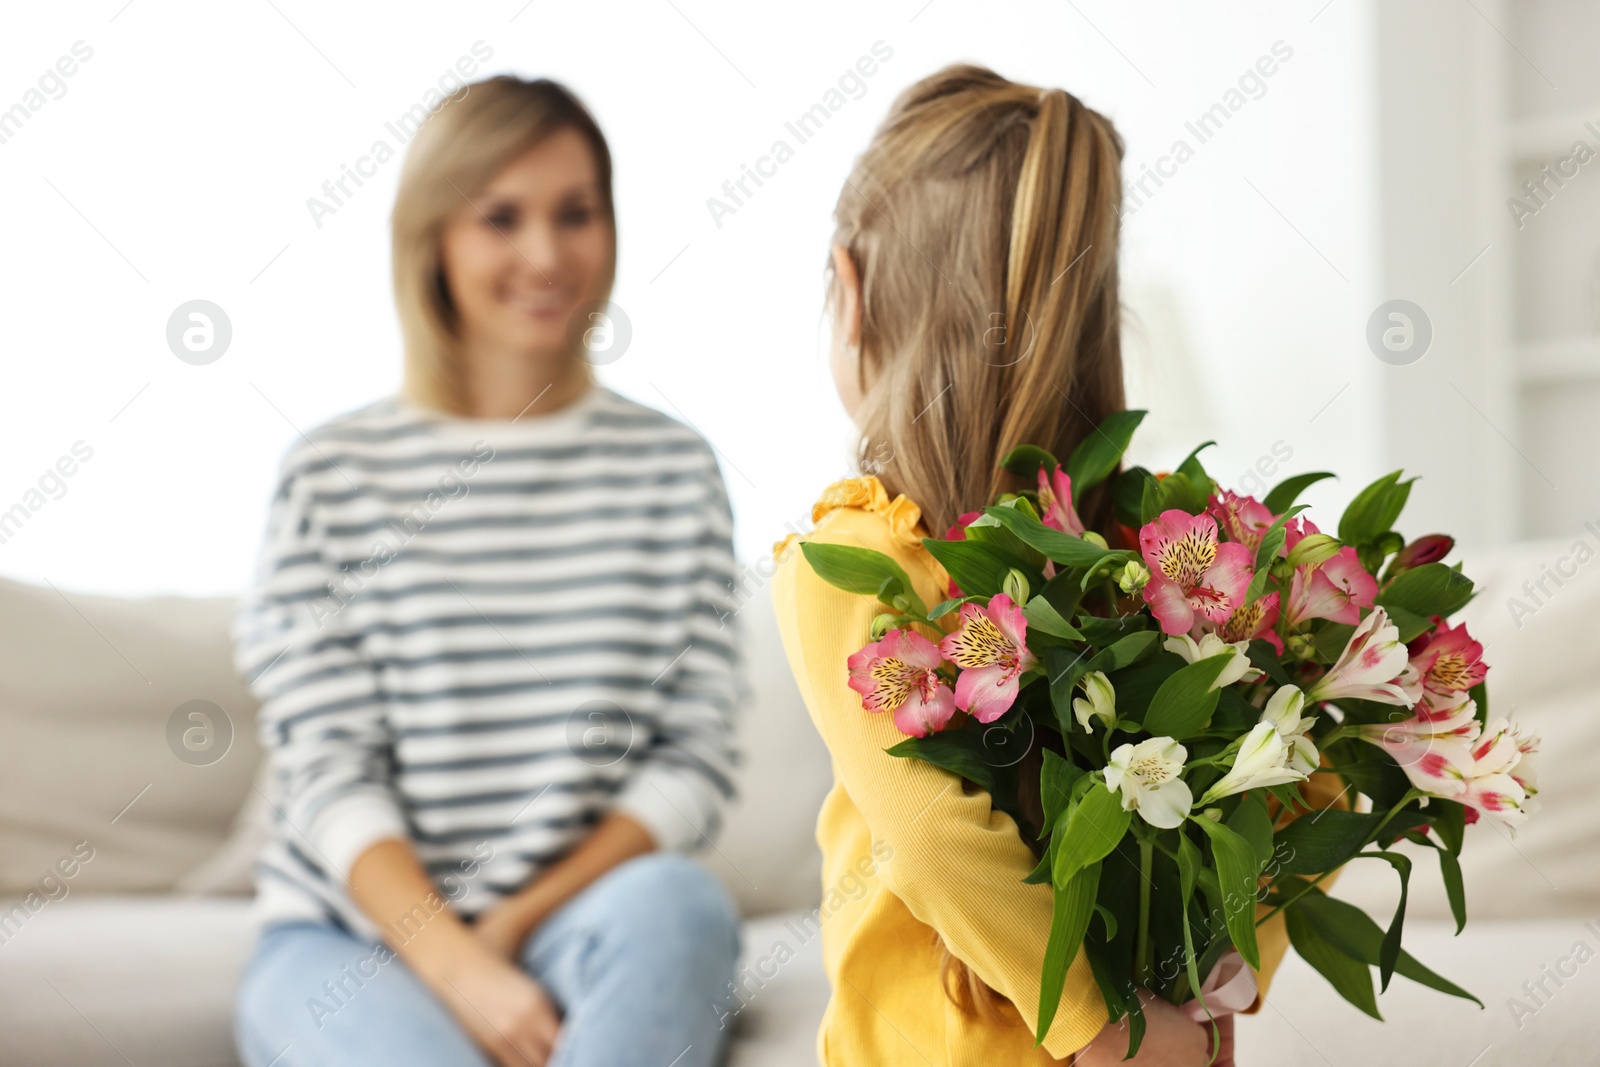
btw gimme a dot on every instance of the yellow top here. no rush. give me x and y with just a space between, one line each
936 861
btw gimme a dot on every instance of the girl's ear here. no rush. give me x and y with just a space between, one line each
848 313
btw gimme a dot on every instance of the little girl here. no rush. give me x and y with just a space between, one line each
974 296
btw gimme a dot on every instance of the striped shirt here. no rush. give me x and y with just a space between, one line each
482 635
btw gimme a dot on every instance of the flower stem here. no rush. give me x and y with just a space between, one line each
1142 957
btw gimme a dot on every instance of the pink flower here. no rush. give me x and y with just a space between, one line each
1492 789
958 532
1055 503
1449 662
899 674
1243 518
1190 573
1436 754
1373 666
991 650
1257 619
1337 588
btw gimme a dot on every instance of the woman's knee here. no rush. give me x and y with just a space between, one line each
671 893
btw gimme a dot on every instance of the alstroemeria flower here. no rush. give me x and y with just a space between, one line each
1150 777
958 530
992 651
1239 668
1449 662
1373 666
1283 712
898 674
1337 588
1523 771
1099 701
1191 573
1491 789
1262 760
1429 549
1435 753
1055 502
1243 518
1259 618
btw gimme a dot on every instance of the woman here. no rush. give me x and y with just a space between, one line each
490 640
974 296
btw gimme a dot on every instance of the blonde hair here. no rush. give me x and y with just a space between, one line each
474 134
982 221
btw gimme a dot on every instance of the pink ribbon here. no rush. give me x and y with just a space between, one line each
1229 988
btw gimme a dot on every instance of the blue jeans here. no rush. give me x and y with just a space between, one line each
640 964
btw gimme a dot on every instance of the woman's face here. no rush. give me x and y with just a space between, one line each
530 255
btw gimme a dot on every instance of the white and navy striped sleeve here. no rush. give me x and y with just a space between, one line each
322 719
680 786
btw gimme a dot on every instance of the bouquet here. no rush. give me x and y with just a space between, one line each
1150 702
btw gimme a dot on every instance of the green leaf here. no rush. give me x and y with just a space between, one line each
1027 459
1057 776
1320 842
1236 876
1191 469
945 607
1431 589
1288 491
1124 651
857 570
1094 460
1372 513
977 567
1410 624
1059 546
1069 921
1043 616
1189 865
1088 831
1127 494
1389 947
959 751
1359 937
1251 822
1449 873
1347 974
1186 700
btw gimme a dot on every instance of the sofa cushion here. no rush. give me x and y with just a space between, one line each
105 708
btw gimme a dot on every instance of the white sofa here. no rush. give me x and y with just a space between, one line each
135 958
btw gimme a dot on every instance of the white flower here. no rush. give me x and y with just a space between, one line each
1101 703
1238 668
1373 666
1149 775
1262 760
1283 712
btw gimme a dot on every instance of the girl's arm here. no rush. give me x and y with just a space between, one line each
958 864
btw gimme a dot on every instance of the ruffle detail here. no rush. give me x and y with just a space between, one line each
868 494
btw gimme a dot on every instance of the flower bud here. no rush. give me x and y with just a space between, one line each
1313 549
1132 577
1015 586
881 624
1095 539
1300 646
1429 549
1214 814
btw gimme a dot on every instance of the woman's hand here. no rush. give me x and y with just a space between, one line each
501 932
1171 1039
504 1011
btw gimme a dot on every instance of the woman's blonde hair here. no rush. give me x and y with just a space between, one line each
474 134
982 221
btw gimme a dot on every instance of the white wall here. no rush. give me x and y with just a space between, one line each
178 163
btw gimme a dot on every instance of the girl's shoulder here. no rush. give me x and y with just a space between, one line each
855 509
